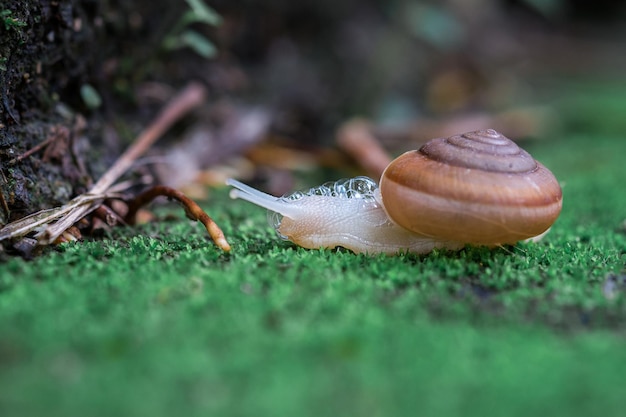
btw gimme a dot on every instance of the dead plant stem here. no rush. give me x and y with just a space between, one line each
190 97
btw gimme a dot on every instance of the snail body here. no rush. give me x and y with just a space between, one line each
477 188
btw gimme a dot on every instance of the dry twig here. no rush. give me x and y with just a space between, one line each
193 211
48 225
33 150
356 138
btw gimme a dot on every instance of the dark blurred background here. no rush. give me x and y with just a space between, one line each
317 63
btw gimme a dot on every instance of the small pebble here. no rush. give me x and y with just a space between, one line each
614 285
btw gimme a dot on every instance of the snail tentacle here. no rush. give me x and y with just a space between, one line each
269 202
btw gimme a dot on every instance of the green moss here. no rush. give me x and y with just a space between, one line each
156 321
11 22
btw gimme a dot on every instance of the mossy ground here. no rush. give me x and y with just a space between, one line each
156 321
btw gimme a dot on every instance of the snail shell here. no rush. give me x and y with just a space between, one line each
476 188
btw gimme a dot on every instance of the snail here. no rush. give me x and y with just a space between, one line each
477 188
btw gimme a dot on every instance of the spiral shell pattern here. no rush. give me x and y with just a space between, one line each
478 187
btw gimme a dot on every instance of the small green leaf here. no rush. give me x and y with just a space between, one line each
548 8
201 45
434 25
90 96
202 13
